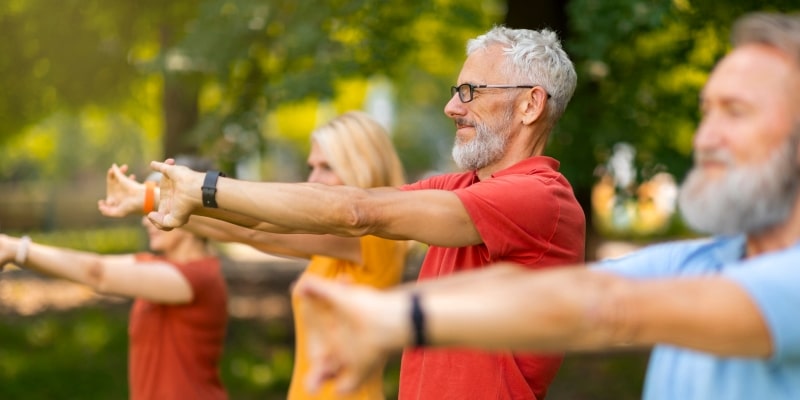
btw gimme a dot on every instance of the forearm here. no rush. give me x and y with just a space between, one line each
77 266
297 208
223 231
582 309
218 229
556 310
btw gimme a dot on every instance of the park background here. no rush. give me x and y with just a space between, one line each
86 83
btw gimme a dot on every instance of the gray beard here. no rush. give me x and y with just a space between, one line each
748 199
486 148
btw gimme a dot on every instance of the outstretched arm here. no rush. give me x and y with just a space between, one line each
430 216
495 308
294 245
117 275
124 196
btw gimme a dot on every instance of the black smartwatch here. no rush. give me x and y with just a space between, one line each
210 188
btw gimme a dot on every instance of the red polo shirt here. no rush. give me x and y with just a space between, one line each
526 214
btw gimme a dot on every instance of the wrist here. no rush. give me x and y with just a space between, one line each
149 202
419 334
393 326
209 188
23 246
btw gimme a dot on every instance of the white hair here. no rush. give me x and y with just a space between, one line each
536 57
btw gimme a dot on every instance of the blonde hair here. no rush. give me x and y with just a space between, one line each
360 151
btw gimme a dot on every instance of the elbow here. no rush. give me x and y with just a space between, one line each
96 276
357 219
612 316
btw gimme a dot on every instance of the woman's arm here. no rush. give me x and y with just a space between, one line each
294 245
121 275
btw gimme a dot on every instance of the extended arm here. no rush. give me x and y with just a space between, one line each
511 307
124 196
430 216
295 245
118 275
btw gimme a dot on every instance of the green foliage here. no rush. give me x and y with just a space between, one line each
113 240
82 354
259 56
81 94
64 356
641 66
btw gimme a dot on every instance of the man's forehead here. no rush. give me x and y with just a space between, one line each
754 69
483 65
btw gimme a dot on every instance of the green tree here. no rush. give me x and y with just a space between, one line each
641 65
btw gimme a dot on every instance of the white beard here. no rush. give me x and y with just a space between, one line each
747 199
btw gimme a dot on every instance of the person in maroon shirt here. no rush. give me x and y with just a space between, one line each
179 315
511 204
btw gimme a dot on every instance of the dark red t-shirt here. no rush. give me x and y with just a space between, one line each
526 214
175 350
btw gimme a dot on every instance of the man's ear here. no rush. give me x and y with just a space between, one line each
534 106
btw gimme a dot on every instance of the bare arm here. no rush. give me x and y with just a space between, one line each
580 309
295 245
430 216
511 307
117 275
124 196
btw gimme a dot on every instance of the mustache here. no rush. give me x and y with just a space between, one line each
464 121
716 156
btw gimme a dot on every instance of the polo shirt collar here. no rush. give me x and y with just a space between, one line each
525 166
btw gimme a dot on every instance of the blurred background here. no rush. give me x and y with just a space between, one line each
86 83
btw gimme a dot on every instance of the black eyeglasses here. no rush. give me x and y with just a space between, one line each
466 91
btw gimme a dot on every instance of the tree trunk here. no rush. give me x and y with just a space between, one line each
180 115
551 14
179 106
539 14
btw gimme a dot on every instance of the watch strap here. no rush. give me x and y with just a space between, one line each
210 188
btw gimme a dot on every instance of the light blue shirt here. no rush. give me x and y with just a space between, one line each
773 282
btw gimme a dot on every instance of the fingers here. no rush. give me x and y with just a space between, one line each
159 166
160 220
348 382
109 210
317 288
162 167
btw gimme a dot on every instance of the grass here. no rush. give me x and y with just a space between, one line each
82 354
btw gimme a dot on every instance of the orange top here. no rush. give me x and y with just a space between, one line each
383 262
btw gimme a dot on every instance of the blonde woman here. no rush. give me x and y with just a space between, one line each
351 149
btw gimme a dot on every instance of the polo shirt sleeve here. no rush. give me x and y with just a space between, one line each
773 282
668 260
650 262
518 215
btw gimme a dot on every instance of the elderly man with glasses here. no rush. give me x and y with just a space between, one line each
511 204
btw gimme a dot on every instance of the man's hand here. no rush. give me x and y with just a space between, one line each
350 329
180 194
124 195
